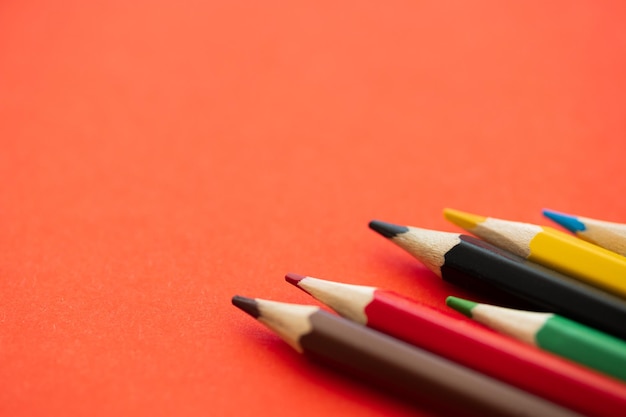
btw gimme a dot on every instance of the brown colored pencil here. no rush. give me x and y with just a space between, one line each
392 364
525 367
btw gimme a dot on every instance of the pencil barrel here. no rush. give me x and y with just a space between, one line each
548 290
416 374
584 345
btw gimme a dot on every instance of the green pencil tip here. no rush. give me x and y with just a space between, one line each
462 306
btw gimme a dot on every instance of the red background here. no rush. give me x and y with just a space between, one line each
157 158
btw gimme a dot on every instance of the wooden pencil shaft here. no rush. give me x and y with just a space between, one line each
430 247
583 260
415 373
465 261
552 248
584 345
609 235
608 239
553 333
547 289
524 367
521 366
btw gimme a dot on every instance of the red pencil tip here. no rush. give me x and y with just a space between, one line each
294 278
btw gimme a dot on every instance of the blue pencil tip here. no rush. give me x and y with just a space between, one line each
569 222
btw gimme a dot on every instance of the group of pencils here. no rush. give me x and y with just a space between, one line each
562 294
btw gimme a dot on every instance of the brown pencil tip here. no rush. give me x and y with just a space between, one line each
294 278
249 305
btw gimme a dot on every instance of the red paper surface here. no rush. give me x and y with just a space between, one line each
157 158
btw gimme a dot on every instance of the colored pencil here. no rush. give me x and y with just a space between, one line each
550 247
552 333
522 366
609 235
457 258
392 363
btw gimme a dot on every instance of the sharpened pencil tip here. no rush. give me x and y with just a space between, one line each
462 219
246 304
462 306
569 222
294 278
388 230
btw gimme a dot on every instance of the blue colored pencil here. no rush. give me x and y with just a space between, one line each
609 235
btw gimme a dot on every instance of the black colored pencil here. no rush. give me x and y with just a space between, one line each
393 364
457 258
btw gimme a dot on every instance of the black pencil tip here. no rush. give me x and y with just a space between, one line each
387 229
246 304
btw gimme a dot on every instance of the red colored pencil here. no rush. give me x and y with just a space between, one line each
495 355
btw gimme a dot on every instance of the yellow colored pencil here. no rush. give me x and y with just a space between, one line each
550 247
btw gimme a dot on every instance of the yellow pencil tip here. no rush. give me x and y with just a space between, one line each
462 219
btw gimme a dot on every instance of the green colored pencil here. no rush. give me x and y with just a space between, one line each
553 333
